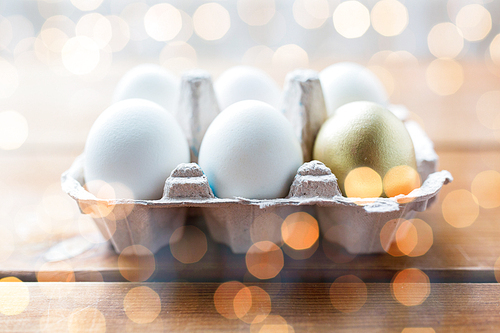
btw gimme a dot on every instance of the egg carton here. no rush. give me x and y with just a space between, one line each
231 221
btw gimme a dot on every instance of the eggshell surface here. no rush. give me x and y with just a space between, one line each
347 82
151 82
250 151
246 83
136 143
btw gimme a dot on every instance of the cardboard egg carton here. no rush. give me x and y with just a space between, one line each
234 221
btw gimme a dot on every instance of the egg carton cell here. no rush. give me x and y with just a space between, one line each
231 221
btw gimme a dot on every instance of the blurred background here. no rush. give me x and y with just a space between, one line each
60 61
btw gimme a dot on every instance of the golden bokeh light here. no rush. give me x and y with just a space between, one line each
300 254
188 244
300 230
474 21
59 271
256 12
488 109
87 5
486 188
211 21
156 325
311 14
252 304
120 33
388 237
445 40
163 22
272 324
401 179
96 27
142 305
414 237
290 56
54 320
266 227
9 79
224 298
444 76
14 128
389 17
136 263
348 293
460 208
80 55
385 77
363 182
86 319
410 287
264 260
14 296
351 19
108 209
418 330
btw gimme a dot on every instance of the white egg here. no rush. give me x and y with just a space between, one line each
250 151
241 83
136 143
151 82
347 82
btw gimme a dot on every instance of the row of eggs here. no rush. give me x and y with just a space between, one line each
249 150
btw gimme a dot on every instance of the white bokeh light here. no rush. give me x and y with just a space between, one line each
80 55
163 22
13 130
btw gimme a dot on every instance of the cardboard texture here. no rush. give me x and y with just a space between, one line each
240 222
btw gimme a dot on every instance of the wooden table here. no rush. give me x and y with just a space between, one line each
39 223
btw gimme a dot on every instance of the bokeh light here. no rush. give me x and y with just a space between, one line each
474 21
120 33
264 260
142 305
256 12
13 129
363 182
96 27
87 5
224 299
460 208
258 56
444 76
14 296
414 237
80 55
178 57
351 19
252 304
136 263
300 254
336 252
163 22
343 234
271 33
385 77
348 293
59 271
266 227
6 33
300 230
495 50
133 14
87 319
389 17
9 79
410 287
54 320
272 324
445 40
488 109
486 188
401 179
311 14
188 244
388 237
289 57
211 21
